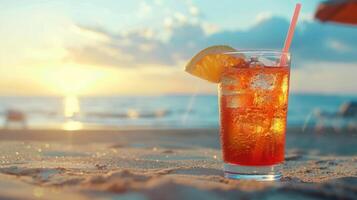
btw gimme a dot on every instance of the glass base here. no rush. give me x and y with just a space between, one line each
263 173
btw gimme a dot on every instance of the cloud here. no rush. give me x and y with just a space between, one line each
325 77
144 10
99 55
313 42
139 48
263 16
194 10
93 34
339 46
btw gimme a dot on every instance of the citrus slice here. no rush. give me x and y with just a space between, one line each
210 63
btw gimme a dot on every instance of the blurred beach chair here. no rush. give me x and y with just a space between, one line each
346 118
15 118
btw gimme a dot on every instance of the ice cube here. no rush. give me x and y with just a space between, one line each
227 92
233 101
263 81
239 100
261 99
267 62
254 62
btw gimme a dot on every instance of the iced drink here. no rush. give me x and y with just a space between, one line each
253 99
253 91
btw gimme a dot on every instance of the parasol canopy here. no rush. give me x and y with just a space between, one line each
339 11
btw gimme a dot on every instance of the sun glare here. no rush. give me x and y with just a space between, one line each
71 110
72 126
71 106
72 79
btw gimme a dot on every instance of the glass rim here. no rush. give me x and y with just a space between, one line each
272 52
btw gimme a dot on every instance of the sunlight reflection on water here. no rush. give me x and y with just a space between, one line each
71 109
72 126
71 106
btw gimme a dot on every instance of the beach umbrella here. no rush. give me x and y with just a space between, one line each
339 11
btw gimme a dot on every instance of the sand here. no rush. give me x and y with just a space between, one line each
166 164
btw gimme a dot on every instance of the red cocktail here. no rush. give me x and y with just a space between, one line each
253 100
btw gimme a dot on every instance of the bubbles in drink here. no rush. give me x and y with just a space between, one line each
227 80
278 125
283 96
253 106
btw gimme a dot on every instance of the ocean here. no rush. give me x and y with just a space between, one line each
166 111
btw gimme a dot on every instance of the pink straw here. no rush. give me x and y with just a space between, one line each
290 34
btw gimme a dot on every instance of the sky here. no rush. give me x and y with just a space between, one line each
138 47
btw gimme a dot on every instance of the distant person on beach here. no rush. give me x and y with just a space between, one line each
345 117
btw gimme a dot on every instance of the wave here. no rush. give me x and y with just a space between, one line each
131 114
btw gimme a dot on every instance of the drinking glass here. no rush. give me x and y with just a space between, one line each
253 104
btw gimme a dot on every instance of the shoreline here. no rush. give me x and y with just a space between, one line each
326 142
297 129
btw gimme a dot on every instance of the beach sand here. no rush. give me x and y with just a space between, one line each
166 164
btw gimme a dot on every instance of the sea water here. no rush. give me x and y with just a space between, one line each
166 111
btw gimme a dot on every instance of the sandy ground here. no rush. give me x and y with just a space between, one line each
166 164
